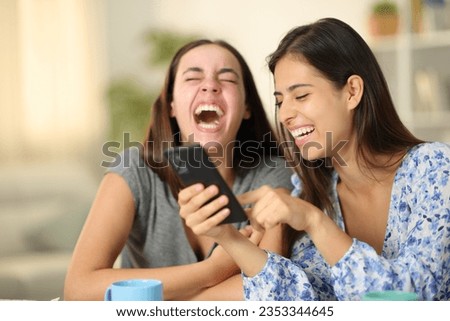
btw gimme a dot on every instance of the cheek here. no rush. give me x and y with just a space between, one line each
340 125
180 104
237 98
182 93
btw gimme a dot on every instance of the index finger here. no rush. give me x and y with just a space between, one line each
253 196
185 195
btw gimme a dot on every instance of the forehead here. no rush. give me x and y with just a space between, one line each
209 57
293 70
292 67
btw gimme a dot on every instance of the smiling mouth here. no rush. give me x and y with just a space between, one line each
303 132
208 116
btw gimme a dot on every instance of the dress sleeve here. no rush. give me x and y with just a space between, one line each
283 279
280 280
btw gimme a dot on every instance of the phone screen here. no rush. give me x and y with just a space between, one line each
192 165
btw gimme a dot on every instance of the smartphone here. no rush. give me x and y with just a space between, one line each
192 165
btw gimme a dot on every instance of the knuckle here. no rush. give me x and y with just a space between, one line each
180 199
203 212
181 202
188 222
271 194
197 201
272 221
260 220
196 230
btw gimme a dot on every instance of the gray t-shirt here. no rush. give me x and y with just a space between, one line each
157 237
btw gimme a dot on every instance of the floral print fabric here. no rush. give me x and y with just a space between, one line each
416 250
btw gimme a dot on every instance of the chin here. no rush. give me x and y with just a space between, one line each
311 154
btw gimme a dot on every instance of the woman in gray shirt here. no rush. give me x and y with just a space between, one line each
209 97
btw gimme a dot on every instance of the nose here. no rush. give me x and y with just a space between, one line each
210 86
286 113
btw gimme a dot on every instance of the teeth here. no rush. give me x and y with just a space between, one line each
208 126
302 131
214 108
208 121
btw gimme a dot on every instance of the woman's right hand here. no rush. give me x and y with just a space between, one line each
198 215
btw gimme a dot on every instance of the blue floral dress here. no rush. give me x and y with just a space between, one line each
416 249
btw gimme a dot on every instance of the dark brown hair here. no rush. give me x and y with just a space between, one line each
338 51
255 135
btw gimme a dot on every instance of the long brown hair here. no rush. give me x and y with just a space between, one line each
338 51
255 135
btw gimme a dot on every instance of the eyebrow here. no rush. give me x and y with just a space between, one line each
228 70
292 88
193 69
221 71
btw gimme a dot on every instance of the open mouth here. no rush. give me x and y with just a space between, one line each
303 132
208 116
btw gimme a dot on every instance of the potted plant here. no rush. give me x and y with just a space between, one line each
384 19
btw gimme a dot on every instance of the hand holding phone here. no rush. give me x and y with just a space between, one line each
192 165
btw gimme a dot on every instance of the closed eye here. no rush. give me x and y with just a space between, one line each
278 104
301 97
229 80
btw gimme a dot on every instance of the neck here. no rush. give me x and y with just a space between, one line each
359 176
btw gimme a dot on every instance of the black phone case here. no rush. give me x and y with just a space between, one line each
192 165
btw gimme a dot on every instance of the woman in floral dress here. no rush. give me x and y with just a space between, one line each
370 210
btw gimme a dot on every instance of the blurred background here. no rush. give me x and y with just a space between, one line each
76 74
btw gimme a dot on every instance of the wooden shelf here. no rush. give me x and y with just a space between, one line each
429 40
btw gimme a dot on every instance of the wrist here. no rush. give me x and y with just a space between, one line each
330 240
219 266
315 221
227 234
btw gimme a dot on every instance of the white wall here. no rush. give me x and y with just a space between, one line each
127 22
254 27
52 79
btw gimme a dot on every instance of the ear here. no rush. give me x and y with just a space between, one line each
355 90
247 113
172 112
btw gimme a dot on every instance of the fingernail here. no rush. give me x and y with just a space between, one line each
212 189
223 199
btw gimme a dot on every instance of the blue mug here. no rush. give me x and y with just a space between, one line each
135 290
